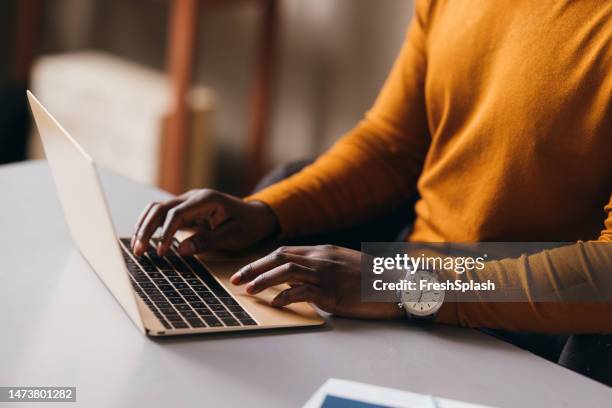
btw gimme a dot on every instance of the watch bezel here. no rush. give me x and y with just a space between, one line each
426 315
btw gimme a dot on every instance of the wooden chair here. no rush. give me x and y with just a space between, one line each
182 33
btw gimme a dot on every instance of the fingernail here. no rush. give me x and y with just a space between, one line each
250 288
276 302
235 279
138 247
187 248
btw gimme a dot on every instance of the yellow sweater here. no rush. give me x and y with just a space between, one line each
500 114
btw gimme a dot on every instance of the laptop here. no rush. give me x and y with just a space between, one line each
163 296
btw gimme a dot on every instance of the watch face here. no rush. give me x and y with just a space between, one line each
425 299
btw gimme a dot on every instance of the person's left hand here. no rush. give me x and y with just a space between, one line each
326 275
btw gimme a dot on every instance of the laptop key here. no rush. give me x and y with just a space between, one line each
178 264
176 301
217 308
203 273
175 318
188 314
182 307
242 315
196 323
205 294
204 312
212 321
153 292
171 315
144 261
185 271
146 264
159 261
180 325
248 322
223 315
230 321
236 308
138 274
171 293
229 301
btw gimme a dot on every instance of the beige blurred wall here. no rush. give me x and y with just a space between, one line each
334 56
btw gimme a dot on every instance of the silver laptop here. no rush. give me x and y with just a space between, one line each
163 296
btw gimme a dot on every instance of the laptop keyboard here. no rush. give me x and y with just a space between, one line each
180 292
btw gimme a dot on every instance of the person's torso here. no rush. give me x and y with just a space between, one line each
518 97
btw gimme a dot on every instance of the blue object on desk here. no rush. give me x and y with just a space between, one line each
332 401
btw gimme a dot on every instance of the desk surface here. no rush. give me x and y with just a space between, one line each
48 294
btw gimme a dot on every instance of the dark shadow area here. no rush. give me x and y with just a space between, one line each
14 122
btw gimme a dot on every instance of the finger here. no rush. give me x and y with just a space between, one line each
281 256
152 221
195 244
141 218
302 293
206 239
182 215
217 217
144 213
175 219
288 272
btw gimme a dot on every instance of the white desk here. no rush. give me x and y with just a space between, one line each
50 298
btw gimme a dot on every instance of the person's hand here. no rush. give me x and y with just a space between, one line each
327 276
222 222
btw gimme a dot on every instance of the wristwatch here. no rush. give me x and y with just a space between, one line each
422 298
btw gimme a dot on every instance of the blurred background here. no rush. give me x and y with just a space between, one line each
195 93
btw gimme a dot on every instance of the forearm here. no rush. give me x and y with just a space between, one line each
366 172
564 290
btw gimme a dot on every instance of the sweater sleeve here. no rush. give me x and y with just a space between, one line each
376 163
577 279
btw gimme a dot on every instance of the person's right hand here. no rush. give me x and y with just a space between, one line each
221 222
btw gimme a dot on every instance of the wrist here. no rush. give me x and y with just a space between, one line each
266 221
